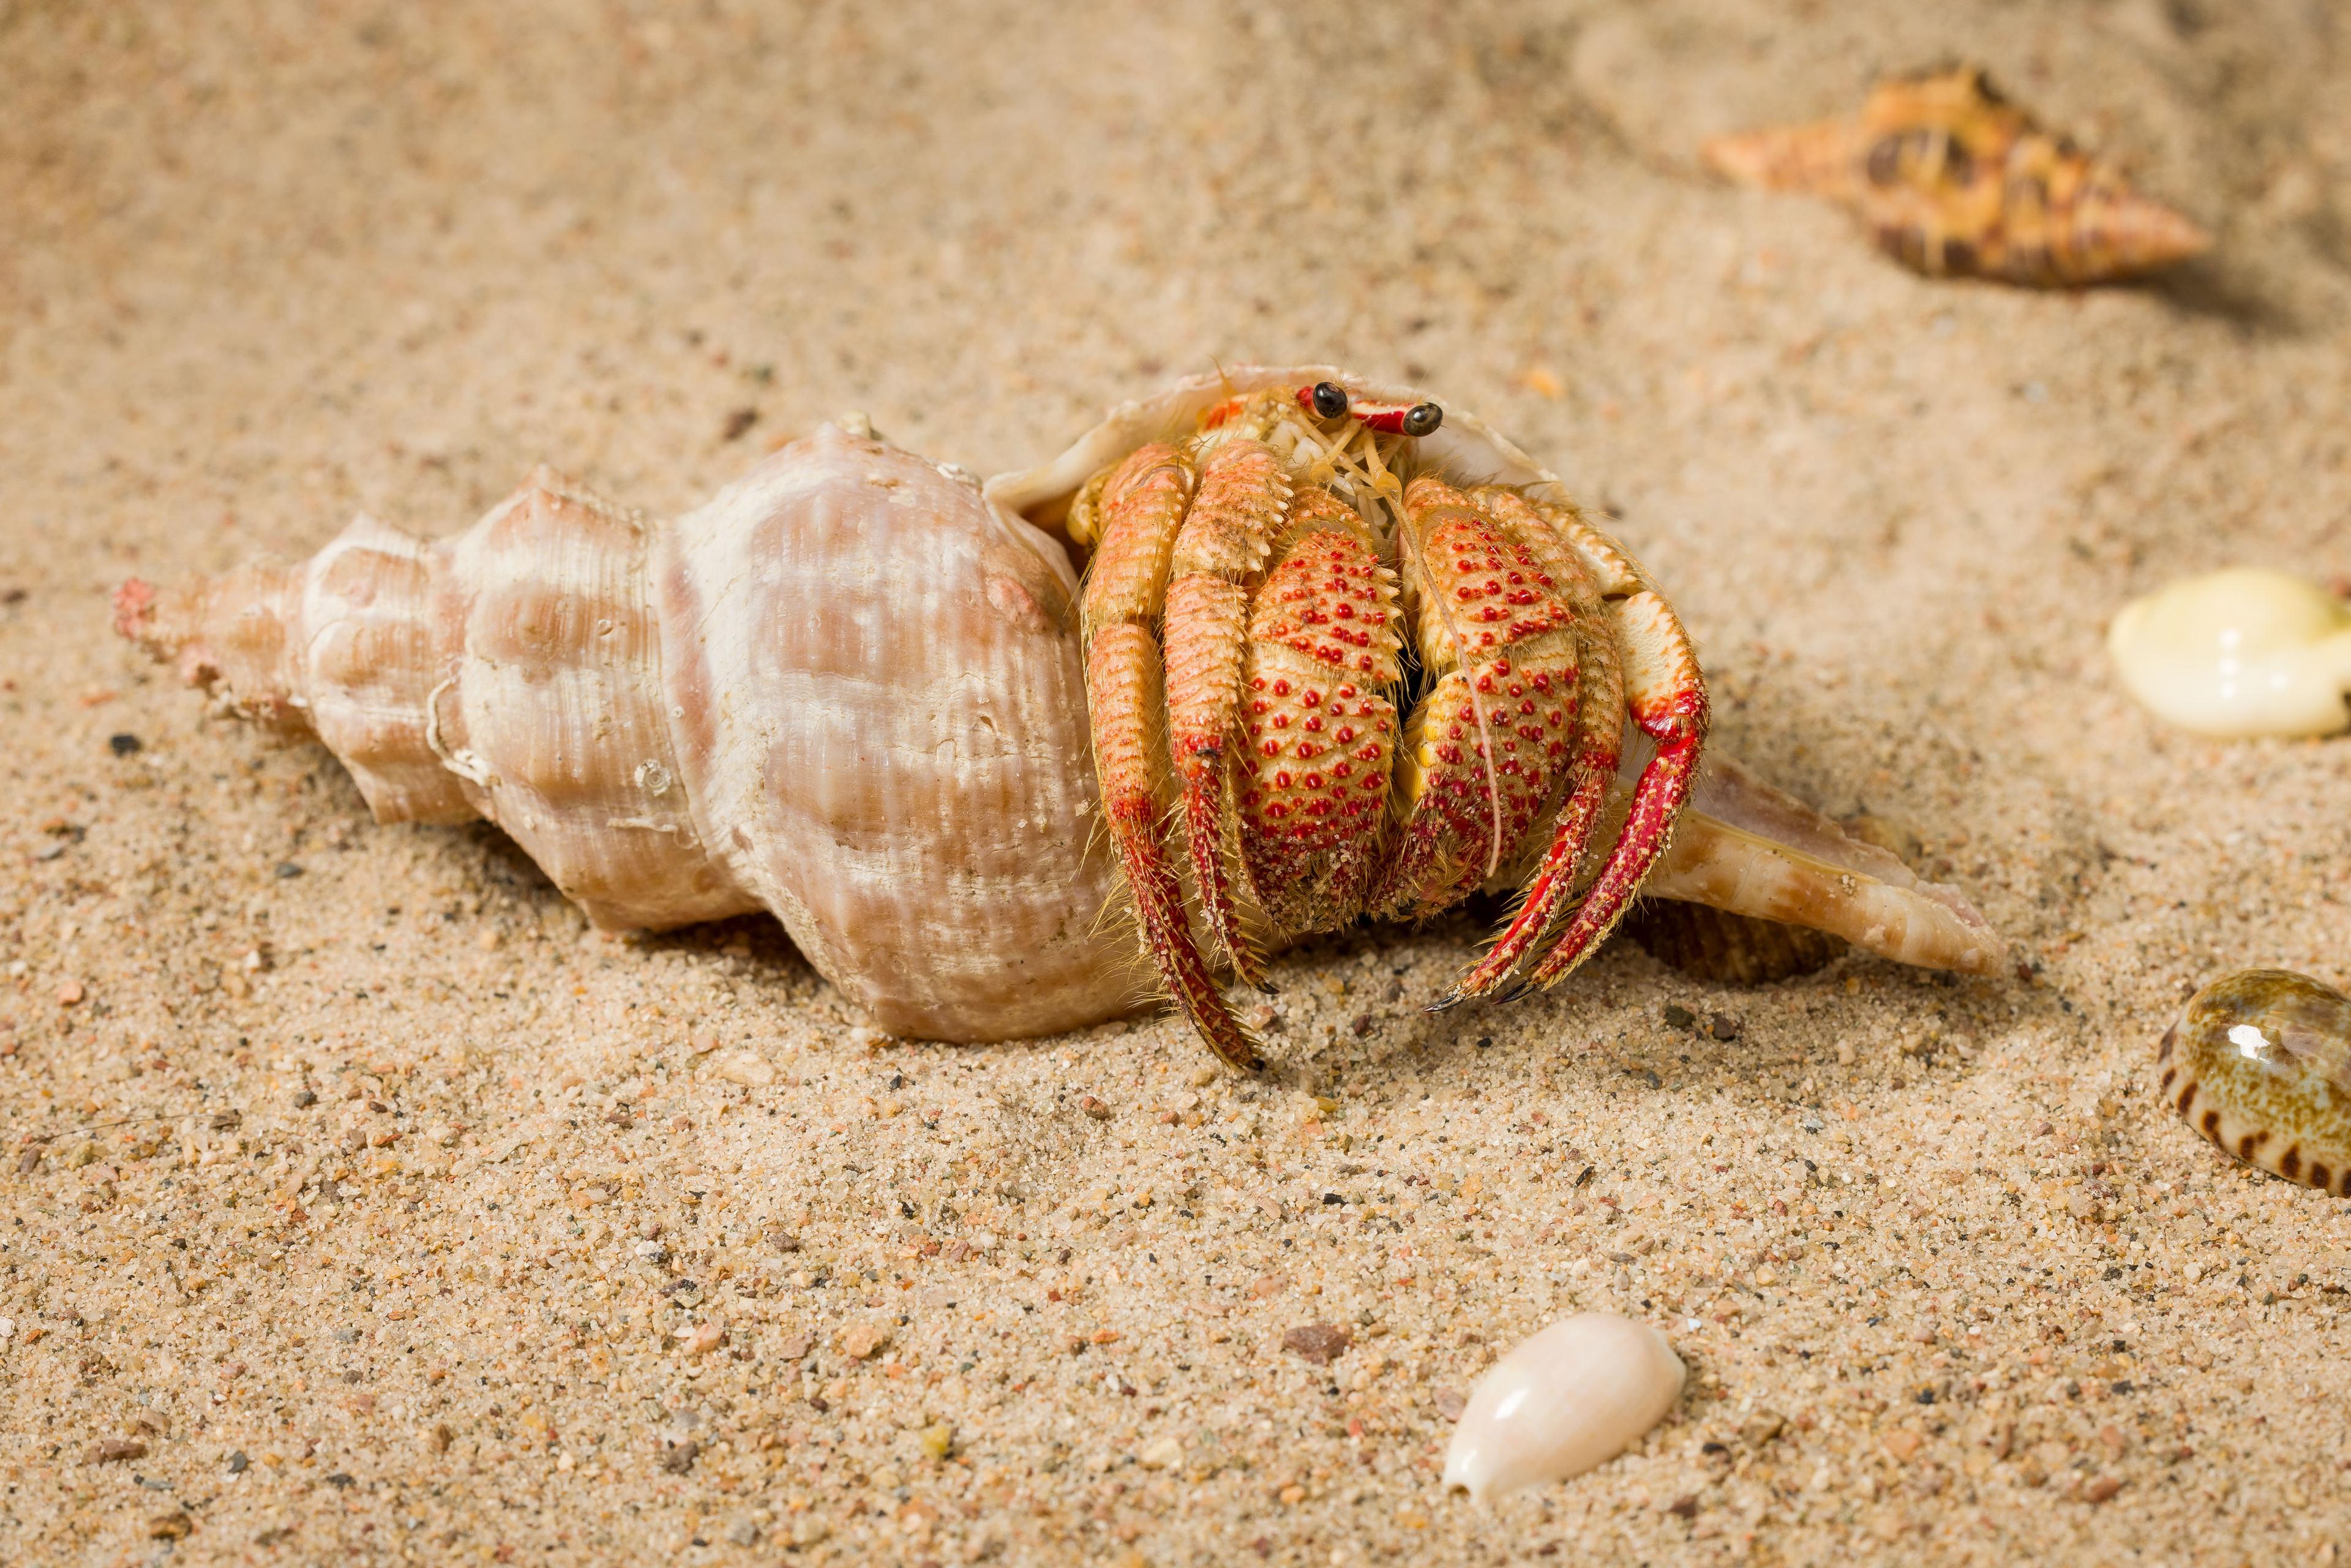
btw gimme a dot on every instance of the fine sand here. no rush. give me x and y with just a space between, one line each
1950 1285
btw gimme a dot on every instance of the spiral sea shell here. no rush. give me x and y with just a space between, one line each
1952 180
847 690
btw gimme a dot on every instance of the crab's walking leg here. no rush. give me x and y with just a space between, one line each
1219 555
1488 741
1597 746
1142 508
1666 696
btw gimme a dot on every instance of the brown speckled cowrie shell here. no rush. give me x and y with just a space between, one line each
2260 1064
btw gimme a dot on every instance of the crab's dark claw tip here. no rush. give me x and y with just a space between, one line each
1267 989
1446 1003
1518 993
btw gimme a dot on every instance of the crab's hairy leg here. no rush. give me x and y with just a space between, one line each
1219 555
1490 738
1322 656
1597 748
1666 695
1142 510
1122 686
1142 507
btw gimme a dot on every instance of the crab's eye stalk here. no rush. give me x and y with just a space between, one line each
1331 399
1421 419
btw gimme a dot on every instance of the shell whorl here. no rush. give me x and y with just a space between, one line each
842 690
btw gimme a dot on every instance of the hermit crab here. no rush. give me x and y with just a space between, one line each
1339 652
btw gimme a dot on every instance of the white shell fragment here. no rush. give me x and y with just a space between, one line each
747 1068
1572 1396
2240 653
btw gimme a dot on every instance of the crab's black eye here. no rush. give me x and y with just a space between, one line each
1422 419
1331 399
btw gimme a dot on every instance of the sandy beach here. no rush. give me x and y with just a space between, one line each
360 1204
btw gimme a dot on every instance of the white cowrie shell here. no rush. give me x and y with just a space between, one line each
1570 1397
2239 653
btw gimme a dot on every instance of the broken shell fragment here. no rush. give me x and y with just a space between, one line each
1574 1395
2260 1064
2239 653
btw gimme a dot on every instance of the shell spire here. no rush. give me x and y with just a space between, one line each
1816 159
1955 180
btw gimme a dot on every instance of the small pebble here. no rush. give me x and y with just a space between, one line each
123 745
172 1526
238 1464
1165 1453
701 1339
113 1451
939 1439
862 1341
2259 1062
1320 1344
1575 1394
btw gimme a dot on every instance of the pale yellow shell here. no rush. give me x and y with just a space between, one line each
847 690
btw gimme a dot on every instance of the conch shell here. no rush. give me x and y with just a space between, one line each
1954 181
847 690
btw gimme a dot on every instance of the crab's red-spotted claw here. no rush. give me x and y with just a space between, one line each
1320 729
1487 746
1597 745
